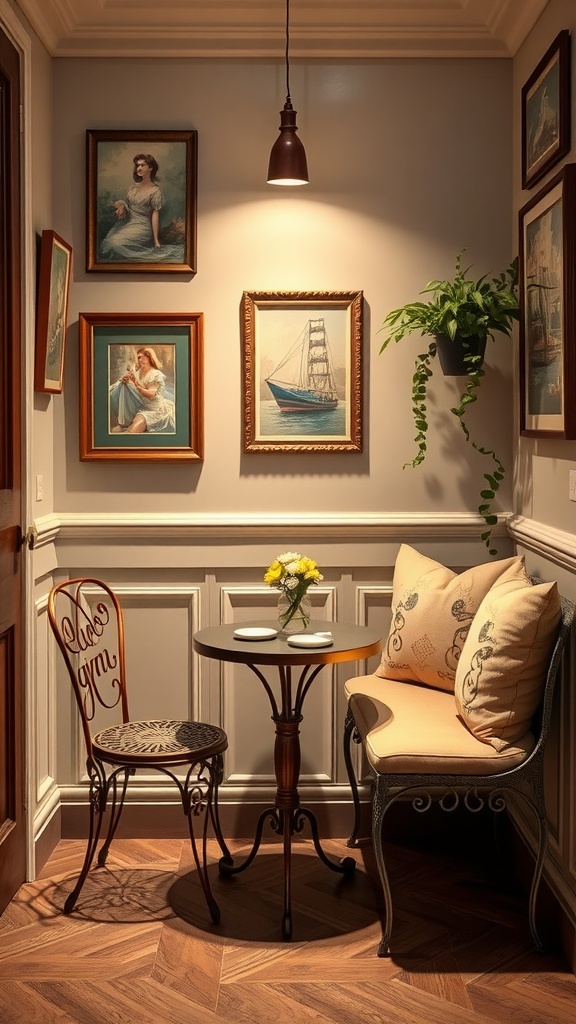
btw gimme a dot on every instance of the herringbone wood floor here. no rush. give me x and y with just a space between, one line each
140 948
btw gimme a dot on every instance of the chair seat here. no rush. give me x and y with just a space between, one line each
423 734
159 741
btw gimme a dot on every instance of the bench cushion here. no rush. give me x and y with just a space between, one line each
432 608
407 728
502 668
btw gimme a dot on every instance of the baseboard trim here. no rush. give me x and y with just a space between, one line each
47 840
166 821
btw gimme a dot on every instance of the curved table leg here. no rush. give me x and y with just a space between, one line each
346 866
226 865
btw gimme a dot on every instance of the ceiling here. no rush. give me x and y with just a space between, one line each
255 28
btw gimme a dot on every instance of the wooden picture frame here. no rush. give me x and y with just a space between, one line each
141 201
547 294
52 312
546 112
323 413
135 406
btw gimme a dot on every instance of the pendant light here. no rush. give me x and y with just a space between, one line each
288 157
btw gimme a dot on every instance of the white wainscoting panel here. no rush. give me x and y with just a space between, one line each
44 794
373 609
247 712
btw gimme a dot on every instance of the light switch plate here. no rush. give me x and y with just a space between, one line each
572 485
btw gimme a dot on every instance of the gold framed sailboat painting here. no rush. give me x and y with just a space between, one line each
303 371
547 244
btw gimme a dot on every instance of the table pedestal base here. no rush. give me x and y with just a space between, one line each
287 817
287 823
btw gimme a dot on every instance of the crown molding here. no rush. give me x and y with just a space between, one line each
253 29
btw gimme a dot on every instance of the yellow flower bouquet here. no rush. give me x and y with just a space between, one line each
292 574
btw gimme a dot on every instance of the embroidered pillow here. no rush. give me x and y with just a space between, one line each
502 669
432 608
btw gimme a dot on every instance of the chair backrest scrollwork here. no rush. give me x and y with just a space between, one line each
86 619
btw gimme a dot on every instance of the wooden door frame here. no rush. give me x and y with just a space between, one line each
20 40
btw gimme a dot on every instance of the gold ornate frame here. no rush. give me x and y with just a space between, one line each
307 420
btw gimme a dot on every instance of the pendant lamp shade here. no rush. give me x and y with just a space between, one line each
288 165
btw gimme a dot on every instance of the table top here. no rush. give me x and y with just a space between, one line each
349 642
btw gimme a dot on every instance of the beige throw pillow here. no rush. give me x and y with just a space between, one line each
432 608
502 669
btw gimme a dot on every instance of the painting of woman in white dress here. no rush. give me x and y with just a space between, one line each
136 234
141 399
141 201
140 383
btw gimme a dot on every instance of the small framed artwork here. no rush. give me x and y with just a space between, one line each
141 386
547 292
302 371
141 202
546 112
52 312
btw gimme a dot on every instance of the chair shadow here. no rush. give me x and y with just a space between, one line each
113 895
325 904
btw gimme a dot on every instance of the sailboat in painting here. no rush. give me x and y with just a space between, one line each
544 323
312 387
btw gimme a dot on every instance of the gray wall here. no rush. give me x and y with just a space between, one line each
409 162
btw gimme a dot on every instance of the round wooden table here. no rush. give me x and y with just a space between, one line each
287 817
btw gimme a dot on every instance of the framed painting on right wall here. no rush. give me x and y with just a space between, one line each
546 112
547 292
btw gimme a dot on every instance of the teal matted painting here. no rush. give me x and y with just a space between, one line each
141 386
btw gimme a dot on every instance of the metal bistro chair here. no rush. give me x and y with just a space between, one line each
375 702
86 618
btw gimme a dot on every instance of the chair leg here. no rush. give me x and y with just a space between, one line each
98 788
115 810
378 807
197 795
349 727
218 772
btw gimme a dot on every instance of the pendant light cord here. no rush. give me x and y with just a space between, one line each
288 100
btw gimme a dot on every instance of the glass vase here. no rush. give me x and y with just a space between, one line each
293 615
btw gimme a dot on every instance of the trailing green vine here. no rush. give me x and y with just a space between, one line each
466 312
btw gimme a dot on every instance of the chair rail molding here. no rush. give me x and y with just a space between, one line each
105 525
557 546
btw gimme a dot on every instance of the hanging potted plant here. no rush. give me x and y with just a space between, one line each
459 317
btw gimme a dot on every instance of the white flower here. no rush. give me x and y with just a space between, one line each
289 556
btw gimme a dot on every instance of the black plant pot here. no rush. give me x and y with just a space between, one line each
451 353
